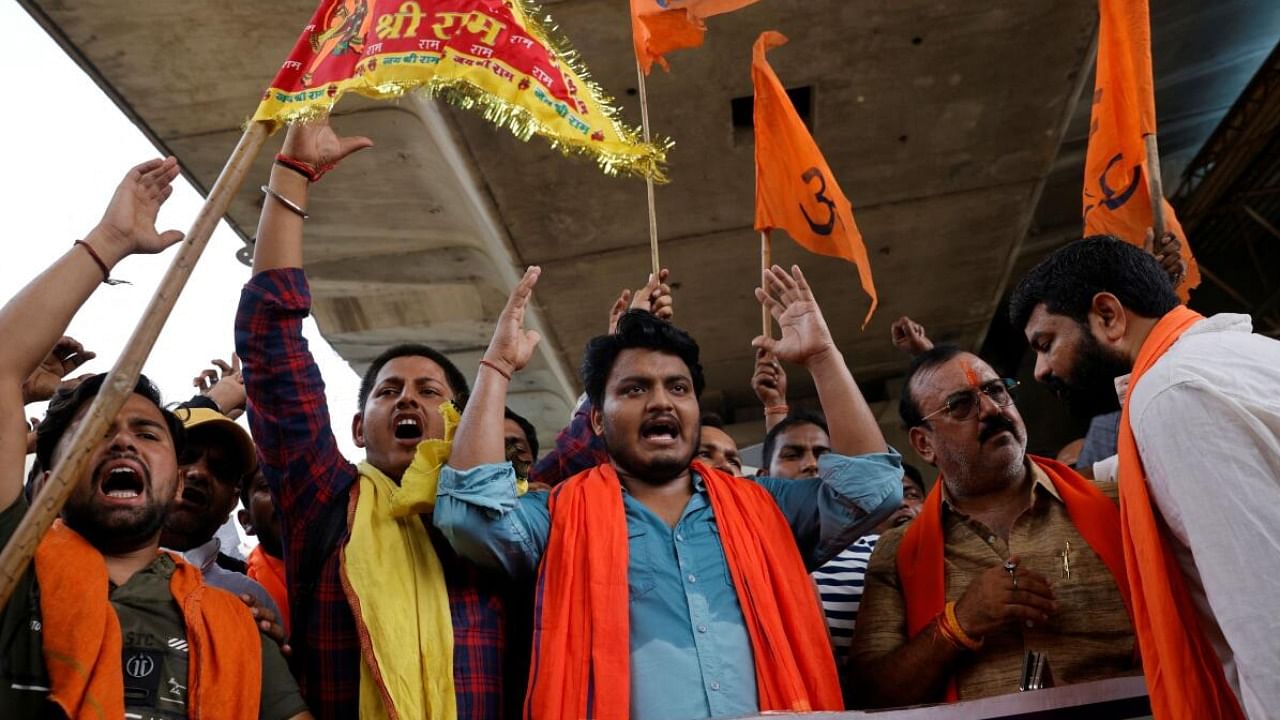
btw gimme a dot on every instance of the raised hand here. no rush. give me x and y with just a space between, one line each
805 336
1168 251
129 224
225 386
994 599
908 336
316 144
512 345
769 381
654 297
67 355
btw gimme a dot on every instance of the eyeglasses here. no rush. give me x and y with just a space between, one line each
962 405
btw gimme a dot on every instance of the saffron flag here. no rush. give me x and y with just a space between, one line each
795 190
488 55
1117 198
660 26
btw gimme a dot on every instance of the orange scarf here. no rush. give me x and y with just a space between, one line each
83 646
581 663
268 572
1184 674
921 553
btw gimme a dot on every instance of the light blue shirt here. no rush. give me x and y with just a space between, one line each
690 653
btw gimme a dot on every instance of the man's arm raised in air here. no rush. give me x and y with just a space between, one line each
861 479
33 321
289 415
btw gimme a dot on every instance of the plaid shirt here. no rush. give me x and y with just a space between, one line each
311 483
577 448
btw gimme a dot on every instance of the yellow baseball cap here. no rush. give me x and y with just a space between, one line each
237 437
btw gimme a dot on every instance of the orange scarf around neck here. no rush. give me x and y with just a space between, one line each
268 572
83 647
581 663
1184 674
922 551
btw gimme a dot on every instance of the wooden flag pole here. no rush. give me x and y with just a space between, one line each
1155 185
766 262
648 181
120 381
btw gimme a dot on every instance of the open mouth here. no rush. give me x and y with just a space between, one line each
195 494
122 480
408 427
662 431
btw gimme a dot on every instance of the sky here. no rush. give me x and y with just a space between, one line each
66 153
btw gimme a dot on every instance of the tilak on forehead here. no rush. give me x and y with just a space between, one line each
971 375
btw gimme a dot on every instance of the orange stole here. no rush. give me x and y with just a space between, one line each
268 572
83 645
920 555
1184 675
581 663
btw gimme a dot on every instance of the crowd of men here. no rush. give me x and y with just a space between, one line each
632 569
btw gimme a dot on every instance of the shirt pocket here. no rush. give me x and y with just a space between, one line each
721 570
640 573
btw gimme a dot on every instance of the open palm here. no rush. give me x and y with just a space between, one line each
130 220
316 144
804 331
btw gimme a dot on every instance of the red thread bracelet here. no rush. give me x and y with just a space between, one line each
106 272
777 410
305 169
495 368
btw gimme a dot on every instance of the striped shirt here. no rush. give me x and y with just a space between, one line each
840 585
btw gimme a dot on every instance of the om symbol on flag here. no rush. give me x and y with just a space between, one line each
826 227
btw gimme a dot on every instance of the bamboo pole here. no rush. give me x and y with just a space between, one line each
766 262
1155 185
120 381
648 181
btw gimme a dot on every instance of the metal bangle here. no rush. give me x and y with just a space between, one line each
291 205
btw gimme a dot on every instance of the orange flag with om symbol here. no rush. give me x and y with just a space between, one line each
795 190
1117 198
661 26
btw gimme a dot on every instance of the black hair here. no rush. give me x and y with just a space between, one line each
456 380
911 471
711 420
798 417
65 403
908 408
527 427
637 329
1067 281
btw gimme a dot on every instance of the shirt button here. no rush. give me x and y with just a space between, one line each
702 628
715 685
679 537
693 578
991 539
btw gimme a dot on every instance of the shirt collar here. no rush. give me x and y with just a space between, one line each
1039 479
203 556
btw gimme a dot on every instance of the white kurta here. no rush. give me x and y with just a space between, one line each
1206 418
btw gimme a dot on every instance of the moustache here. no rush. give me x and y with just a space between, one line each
995 426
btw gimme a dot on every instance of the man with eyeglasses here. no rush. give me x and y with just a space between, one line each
1009 553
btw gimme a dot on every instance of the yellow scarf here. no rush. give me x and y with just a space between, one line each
397 588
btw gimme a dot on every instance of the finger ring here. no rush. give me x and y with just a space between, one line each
1010 567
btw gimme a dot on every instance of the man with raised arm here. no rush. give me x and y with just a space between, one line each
103 624
667 588
386 621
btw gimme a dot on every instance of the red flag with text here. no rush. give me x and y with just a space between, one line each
1117 199
661 26
795 190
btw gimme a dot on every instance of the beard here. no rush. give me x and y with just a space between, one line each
1090 390
113 532
655 469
